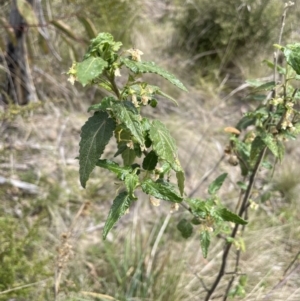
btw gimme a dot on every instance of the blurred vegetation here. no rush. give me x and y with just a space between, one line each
68 25
23 260
214 35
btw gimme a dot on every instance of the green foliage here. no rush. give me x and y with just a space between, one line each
214 33
119 207
239 290
185 228
162 190
150 67
164 144
135 136
150 161
95 134
139 139
292 55
89 69
214 187
205 242
229 216
19 257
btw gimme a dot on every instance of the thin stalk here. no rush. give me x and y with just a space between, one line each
236 268
228 245
283 17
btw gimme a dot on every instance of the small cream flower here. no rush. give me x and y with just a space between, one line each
135 54
134 100
284 125
154 201
144 100
253 205
130 144
117 72
72 79
174 207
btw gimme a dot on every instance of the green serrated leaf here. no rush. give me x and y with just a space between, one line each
150 161
164 169
256 147
126 114
162 190
205 242
122 146
167 96
95 134
216 184
148 141
243 150
180 181
105 103
267 165
256 97
120 171
146 124
266 86
137 150
131 182
270 64
229 216
150 67
153 102
242 185
119 207
254 82
265 196
105 86
164 144
90 69
271 143
292 55
128 156
245 122
185 228
199 207
103 46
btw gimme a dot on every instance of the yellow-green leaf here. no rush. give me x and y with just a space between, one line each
90 69
27 12
164 144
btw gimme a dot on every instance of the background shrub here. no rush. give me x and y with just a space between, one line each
214 34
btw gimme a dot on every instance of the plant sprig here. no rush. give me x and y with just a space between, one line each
148 150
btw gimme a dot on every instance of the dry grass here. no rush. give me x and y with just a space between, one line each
40 149
144 257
